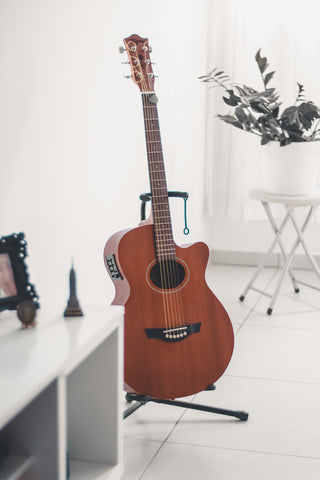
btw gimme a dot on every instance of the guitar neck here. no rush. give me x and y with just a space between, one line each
163 235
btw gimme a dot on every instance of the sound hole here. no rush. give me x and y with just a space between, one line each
167 274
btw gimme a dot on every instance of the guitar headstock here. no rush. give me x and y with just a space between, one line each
138 50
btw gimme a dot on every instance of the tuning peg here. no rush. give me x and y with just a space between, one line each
127 76
125 63
121 49
146 49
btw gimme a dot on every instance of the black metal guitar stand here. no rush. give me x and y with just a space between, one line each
141 400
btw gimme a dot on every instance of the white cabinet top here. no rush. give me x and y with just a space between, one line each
30 359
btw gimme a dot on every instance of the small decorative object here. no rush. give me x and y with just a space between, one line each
14 282
258 112
26 311
73 308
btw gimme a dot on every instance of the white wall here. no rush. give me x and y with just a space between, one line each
72 150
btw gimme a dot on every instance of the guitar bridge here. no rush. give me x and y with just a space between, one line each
175 334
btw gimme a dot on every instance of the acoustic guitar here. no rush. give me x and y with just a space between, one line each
178 336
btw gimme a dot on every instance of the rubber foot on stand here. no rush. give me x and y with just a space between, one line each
241 298
244 416
269 311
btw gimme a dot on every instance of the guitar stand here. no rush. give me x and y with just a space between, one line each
141 400
146 197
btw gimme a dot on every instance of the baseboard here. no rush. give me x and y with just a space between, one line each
227 257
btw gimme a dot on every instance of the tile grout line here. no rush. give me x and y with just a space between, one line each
273 379
244 450
162 444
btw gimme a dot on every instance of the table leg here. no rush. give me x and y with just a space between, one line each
278 232
299 240
264 259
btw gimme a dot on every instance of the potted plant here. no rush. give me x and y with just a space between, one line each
294 129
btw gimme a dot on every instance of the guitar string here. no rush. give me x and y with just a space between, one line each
170 270
149 135
171 267
157 179
166 244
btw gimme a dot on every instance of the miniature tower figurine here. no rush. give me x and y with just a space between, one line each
73 308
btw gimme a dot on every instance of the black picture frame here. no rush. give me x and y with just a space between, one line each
16 286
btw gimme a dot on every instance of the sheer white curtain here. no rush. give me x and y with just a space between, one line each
288 34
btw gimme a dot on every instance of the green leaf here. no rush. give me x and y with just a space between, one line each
290 115
268 77
212 71
285 141
241 115
261 61
249 90
253 120
309 110
231 120
258 106
233 100
265 139
230 101
300 87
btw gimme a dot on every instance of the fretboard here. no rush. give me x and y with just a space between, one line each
163 236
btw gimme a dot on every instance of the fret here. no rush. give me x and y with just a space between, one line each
162 232
158 199
164 236
166 254
167 250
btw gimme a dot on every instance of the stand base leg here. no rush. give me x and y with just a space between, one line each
143 399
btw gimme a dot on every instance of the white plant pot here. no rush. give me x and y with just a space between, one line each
292 169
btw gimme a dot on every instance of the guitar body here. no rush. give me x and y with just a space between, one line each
157 365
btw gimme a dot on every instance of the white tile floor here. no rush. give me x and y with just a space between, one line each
274 375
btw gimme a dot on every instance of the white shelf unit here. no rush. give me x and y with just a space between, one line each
60 385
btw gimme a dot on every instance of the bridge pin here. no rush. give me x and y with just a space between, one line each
170 336
184 333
